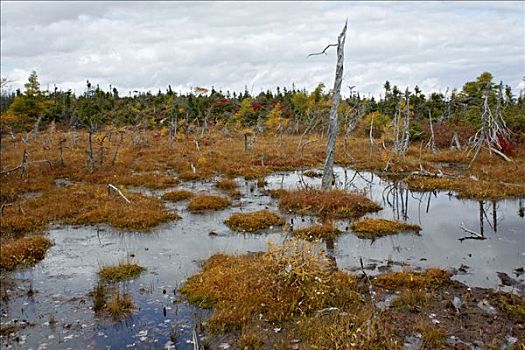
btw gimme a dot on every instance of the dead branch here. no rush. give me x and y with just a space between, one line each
322 52
474 234
114 188
501 154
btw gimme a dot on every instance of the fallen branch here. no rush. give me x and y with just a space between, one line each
501 154
474 234
112 187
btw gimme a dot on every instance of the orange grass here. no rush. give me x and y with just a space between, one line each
372 228
84 204
178 195
120 272
430 278
254 221
25 251
286 281
332 203
324 231
467 187
202 203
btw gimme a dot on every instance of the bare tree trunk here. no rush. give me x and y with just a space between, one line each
396 130
431 145
61 147
328 171
406 125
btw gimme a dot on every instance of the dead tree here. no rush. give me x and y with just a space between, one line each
492 131
454 143
431 144
328 171
397 119
405 141
61 143
90 159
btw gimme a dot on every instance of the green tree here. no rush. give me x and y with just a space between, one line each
30 105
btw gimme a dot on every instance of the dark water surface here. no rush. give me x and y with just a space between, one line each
61 283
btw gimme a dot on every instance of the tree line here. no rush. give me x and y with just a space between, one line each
285 110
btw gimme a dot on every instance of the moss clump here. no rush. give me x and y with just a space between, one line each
336 204
228 185
324 231
431 278
23 252
204 202
287 281
254 221
121 272
178 195
372 228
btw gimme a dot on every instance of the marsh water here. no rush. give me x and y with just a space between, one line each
52 306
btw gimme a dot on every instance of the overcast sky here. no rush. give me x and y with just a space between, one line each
261 45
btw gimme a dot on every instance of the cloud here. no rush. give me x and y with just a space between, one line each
230 45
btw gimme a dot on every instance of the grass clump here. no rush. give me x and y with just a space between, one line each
254 221
331 203
108 300
119 305
120 272
372 228
289 280
228 185
430 278
25 251
178 195
207 202
324 231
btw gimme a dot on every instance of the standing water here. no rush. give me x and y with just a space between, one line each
52 307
